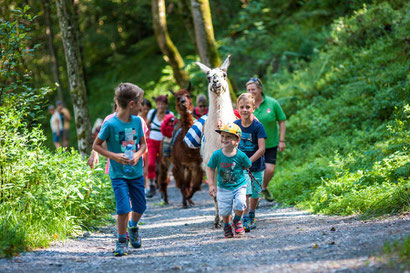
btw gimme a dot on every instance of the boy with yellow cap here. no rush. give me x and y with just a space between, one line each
232 183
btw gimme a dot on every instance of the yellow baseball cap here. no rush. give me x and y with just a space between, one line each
231 128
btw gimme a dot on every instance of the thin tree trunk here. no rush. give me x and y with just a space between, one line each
205 38
51 48
165 43
204 33
75 74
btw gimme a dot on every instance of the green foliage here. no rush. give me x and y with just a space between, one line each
349 119
401 248
43 196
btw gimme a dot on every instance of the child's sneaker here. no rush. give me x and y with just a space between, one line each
252 222
121 247
246 224
238 226
135 239
228 231
268 196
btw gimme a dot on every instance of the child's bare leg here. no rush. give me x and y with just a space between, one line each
226 219
135 216
253 203
122 222
239 212
246 211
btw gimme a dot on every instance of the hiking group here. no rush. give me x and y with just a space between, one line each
243 166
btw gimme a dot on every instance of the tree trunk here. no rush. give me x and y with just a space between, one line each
204 33
51 49
165 43
205 38
75 74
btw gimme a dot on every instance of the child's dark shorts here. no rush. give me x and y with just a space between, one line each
270 155
126 190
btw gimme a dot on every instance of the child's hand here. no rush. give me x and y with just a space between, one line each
93 160
212 191
121 158
134 160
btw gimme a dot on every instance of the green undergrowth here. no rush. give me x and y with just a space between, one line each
44 196
399 250
348 131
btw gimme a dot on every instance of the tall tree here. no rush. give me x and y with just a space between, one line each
78 91
204 33
51 48
205 38
165 43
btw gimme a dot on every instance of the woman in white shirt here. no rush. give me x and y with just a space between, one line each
154 119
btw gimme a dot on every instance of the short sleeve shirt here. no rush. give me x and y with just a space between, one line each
118 135
230 169
269 113
249 142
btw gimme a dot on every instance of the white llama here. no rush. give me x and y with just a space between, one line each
220 112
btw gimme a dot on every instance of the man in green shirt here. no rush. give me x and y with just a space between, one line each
271 115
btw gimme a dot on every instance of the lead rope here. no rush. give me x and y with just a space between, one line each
253 179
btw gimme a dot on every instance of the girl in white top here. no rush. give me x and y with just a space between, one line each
155 117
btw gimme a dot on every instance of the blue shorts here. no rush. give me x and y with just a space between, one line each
126 190
57 138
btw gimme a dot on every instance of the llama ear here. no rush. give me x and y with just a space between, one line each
189 87
172 92
203 67
226 63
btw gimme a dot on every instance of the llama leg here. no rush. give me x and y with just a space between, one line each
162 179
196 183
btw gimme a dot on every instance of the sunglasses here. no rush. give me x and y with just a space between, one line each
201 106
254 80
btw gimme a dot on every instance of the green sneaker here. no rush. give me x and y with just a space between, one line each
268 196
246 224
121 247
135 239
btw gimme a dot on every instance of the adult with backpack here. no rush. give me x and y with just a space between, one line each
155 118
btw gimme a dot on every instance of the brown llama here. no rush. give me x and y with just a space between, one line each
187 169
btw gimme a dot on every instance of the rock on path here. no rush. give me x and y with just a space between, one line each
184 240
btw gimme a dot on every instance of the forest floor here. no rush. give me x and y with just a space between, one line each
184 240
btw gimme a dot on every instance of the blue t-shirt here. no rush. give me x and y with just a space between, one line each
249 142
118 135
230 169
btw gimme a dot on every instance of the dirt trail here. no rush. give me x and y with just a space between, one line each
183 240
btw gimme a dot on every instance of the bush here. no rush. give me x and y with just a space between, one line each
43 196
348 128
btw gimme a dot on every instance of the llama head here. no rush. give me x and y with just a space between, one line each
217 77
183 100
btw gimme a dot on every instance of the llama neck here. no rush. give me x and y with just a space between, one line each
186 120
220 107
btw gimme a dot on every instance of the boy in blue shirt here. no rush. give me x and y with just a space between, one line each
253 145
232 183
118 132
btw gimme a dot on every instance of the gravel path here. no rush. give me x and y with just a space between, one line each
183 240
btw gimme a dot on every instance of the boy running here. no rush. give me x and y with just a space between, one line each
232 183
253 145
118 132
